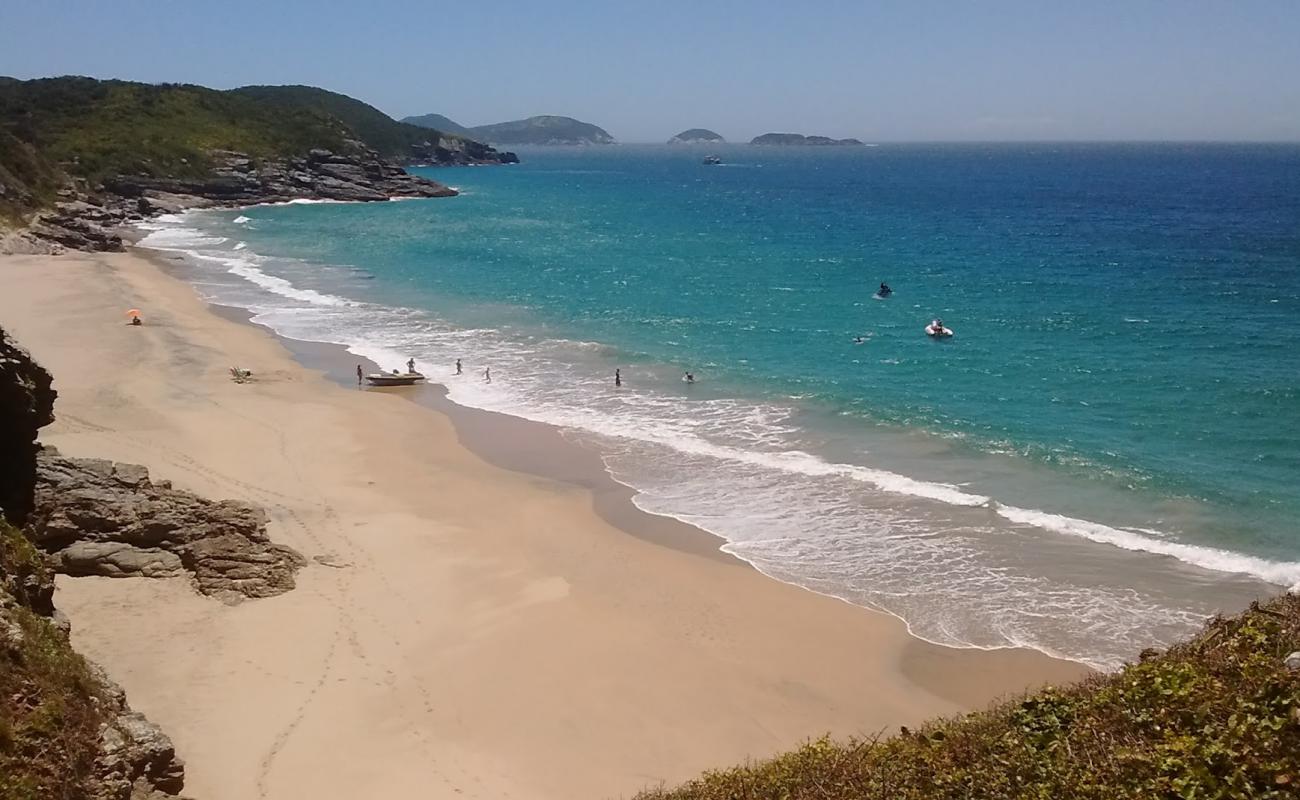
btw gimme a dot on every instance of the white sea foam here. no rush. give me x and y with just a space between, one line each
1283 573
241 220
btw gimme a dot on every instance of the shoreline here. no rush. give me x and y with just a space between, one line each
461 626
529 447
580 466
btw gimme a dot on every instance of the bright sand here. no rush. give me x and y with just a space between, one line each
463 630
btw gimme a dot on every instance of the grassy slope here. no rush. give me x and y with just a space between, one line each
49 701
98 128
93 129
1216 717
374 127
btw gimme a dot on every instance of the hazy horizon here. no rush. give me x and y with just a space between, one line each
997 71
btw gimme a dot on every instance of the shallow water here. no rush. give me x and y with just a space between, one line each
1107 451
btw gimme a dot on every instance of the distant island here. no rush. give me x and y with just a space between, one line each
533 130
696 136
438 123
799 139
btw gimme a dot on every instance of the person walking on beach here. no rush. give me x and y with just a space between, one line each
618 377
487 375
410 366
359 374
458 366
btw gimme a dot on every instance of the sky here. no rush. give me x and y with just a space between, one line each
963 70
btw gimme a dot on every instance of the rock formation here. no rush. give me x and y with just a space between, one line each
26 406
92 219
97 517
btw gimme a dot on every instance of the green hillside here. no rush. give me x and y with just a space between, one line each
51 128
1216 717
96 128
374 127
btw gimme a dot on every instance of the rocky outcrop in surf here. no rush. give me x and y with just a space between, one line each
94 220
98 517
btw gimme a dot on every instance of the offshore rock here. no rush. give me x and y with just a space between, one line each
97 517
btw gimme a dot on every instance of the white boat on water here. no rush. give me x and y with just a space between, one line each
936 330
394 378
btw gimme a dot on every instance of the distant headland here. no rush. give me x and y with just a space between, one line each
799 139
80 157
547 129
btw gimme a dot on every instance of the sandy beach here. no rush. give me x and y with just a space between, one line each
482 621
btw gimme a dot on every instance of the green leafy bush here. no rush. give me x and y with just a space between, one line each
50 703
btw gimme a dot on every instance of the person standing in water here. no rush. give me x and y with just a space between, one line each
458 366
359 374
410 366
618 377
487 375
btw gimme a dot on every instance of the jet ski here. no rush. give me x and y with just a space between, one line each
936 330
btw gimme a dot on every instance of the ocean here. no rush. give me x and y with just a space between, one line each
1105 453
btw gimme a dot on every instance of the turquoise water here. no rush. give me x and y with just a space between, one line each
1106 451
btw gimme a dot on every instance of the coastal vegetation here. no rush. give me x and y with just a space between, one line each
56 129
1215 717
51 705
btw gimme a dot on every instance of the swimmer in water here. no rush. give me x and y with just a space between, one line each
618 377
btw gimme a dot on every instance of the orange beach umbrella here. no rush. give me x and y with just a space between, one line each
135 312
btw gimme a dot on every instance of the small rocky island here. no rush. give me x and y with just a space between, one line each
799 140
697 136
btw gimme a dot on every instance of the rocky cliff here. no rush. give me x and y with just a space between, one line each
66 730
26 405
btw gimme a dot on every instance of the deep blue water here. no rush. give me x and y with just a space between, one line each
1107 450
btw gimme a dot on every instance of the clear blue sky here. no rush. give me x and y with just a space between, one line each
978 69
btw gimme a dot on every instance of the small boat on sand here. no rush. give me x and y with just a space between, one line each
394 378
